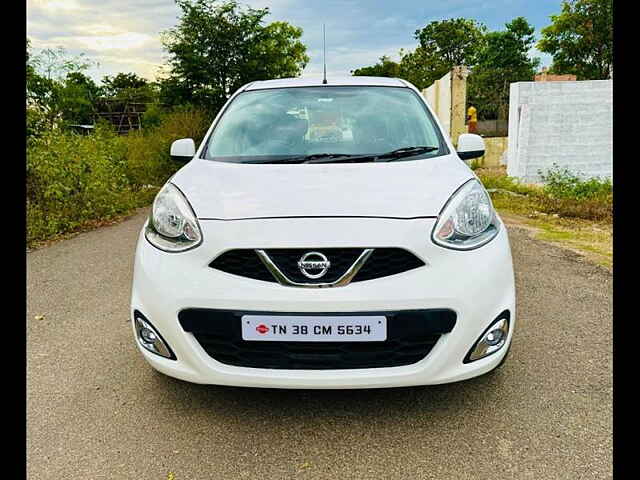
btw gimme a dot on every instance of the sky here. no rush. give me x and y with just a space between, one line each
124 35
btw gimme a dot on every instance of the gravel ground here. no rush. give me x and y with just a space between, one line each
96 410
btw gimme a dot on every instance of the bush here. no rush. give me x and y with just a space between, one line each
562 183
37 123
564 194
152 116
148 161
497 179
74 179
71 178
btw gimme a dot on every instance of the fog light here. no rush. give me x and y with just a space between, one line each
147 335
494 337
492 340
150 339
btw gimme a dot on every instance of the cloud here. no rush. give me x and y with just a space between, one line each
119 35
124 35
121 41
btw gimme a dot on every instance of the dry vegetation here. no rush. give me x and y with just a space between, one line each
573 213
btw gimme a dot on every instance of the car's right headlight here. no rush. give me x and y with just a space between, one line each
468 220
172 226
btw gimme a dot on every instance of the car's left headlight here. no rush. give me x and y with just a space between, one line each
172 226
468 220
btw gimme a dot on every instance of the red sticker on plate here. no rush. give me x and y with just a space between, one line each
262 329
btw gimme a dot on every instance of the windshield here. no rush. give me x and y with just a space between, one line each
300 121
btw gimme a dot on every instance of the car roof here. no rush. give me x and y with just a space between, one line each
331 81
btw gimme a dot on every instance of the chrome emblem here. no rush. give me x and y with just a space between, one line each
314 265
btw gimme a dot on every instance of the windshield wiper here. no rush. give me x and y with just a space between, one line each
398 153
307 158
407 152
346 157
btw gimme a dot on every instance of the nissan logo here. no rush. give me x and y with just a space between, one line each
314 265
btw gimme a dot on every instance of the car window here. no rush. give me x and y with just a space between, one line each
313 120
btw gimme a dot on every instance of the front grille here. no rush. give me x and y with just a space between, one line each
382 263
410 337
286 259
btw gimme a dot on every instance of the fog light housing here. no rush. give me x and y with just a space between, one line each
492 340
149 338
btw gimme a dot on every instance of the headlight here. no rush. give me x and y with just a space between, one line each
173 226
468 220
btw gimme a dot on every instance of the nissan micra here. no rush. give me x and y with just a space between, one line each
324 236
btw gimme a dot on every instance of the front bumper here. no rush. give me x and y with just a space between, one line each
478 285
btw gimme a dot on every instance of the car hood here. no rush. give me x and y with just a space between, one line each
401 189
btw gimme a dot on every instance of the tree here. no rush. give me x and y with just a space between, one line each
447 43
384 68
30 69
417 69
61 94
412 67
443 45
129 87
278 53
218 46
504 59
112 85
55 63
580 39
37 85
37 90
76 98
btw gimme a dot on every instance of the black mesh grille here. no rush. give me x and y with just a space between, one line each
382 263
245 263
410 337
387 261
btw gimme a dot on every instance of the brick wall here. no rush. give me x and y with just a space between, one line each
546 77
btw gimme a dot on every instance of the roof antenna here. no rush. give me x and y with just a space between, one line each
324 46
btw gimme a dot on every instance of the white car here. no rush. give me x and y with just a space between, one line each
324 236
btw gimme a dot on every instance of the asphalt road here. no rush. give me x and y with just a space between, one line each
96 410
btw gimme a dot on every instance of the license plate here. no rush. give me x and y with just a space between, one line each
305 328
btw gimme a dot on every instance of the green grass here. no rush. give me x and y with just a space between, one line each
594 240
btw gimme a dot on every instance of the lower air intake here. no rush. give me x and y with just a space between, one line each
410 337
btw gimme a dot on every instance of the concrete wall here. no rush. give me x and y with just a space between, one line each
458 102
438 96
494 148
567 123
448 97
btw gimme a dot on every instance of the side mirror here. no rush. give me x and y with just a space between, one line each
183 150
470 146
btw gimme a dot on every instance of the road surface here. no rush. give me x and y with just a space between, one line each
96 410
